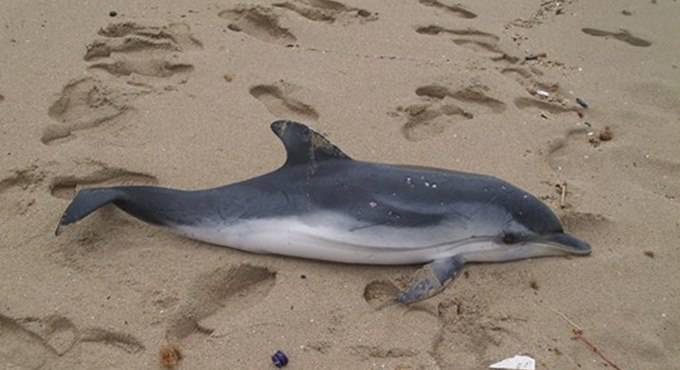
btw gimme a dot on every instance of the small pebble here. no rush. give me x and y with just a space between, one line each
543 93
280 359
606 134
582 103
649 254
113 13
170 356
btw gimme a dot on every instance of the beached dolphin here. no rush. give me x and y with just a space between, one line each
323 205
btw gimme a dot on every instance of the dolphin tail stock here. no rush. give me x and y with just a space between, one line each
151 204
86 202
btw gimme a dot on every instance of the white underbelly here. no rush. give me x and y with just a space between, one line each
332 238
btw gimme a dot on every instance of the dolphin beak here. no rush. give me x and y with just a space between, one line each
569 243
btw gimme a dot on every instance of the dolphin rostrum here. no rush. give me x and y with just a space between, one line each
323 205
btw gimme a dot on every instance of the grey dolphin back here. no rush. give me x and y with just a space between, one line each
168 207
396 210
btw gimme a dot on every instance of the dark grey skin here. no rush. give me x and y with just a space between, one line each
338 209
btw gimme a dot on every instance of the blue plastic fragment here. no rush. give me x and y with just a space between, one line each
280 359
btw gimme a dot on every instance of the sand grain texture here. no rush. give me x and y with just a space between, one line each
89 99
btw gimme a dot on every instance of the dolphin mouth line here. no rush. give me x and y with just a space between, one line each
551 244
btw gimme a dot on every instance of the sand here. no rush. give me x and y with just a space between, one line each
182 95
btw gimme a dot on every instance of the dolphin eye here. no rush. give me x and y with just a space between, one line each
511 238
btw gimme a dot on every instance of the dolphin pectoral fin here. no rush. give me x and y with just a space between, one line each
431 279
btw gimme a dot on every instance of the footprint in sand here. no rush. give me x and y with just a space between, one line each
263 22
65 187
130 38
328 11
478 41
147 67
465 327
124 50
547 96
130 48
16 191
458 10
259 22
390 319
527 78
554 107
34 343
122 341
23 178
380 293
21 347
217 297
469 331
84 104
622 35
279 102
426 121
545 11
430 118
472 95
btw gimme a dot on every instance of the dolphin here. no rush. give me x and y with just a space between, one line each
323 205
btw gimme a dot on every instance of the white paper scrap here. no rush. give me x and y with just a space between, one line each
516 363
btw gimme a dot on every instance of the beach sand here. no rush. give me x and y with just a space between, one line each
182 96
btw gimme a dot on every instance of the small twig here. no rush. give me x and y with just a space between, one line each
579 335
563 196
578 332
567 319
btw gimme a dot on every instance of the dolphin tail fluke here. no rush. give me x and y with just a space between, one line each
86 202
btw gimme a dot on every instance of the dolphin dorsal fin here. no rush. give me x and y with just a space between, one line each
305 146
